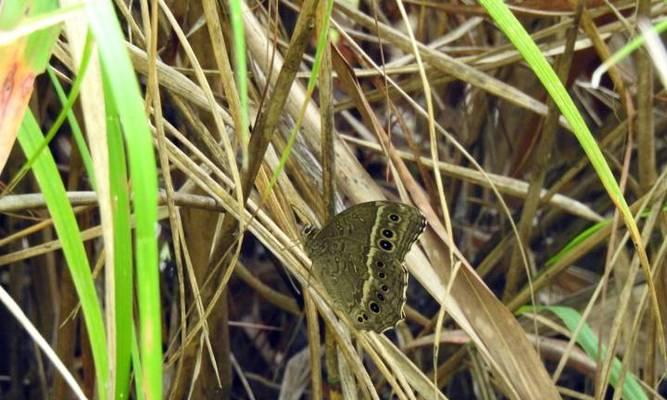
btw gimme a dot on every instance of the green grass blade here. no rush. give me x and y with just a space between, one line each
515 32
576 241
46 172
241 72
322 42
589 343
124 90
623 53
67 107
77 134
136 363
123 273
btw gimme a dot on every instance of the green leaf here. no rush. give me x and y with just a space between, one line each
46 172
588 341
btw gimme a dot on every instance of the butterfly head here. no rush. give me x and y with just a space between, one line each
308 232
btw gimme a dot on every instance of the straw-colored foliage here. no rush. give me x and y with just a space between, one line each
265 116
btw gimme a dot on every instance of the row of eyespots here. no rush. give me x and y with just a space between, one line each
385 244
373 306
382 275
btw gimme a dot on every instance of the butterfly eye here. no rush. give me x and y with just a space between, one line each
384 288
382 275
360 318
364 316
386 245
387 233
379 264
374 307
380 296
309 231
394 217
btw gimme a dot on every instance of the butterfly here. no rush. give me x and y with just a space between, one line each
358 257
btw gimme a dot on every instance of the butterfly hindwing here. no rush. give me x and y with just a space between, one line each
359 256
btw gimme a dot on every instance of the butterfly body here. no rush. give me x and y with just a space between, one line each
358 257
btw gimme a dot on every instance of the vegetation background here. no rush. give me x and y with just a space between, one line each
159 160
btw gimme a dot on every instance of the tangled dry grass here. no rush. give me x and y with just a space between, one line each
426 103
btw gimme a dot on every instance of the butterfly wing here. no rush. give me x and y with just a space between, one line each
369 222
372 298
359 256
